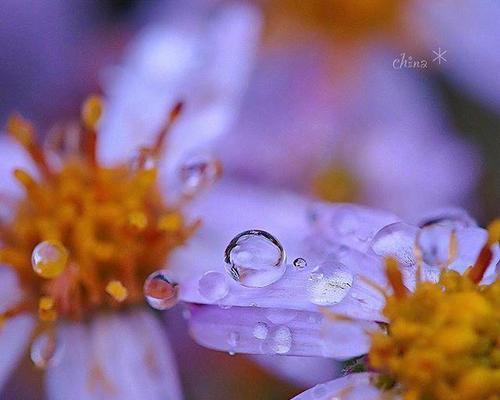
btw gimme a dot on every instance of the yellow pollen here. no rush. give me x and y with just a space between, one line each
46 311
116 290
85 236
91 112
335 184
494 232
443 340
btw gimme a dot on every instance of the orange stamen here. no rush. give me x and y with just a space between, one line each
91 114
165 130
479 268
395 278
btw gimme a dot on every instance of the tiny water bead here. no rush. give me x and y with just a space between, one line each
49 259
329 283
160 292
260 330
198 172
281 340
396 240
435 244
299 263
233 339
45 350
213 286
255 258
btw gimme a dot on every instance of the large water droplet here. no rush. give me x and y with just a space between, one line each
452 217
160 292
255 258
213 286
433 242
260 330
299 263
49 259
396 240
45 351
198 172
329 283
281 340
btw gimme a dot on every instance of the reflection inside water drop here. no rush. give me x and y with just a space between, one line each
329 283
45 350
255 258
159 291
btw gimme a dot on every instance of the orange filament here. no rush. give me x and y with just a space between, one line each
113 224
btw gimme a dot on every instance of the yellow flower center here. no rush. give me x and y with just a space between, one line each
442 340
342 19
336 184
85 236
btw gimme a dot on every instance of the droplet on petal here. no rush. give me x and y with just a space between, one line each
213 286
299 263
45 351
198 172
255 258
160 292
329 283
260 330
396 240
433 242
49 259
281 340
452 217
144 159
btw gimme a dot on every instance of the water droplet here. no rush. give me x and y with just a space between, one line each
280 315
233 339
260 330
198 172
225 306
433 242
329 283
213 286
452 217
281 340
160 292
144 159
299 263
45 351
255 258
49 259
396 240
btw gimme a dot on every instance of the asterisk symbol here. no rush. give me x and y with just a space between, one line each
439 53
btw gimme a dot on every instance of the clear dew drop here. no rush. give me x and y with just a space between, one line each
281 340
213 286
160 292
144 159
433 242
299 263
49 259
255 258
45 351
260 330
329 283
198 172
396 240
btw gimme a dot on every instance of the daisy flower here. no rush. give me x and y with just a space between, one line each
361 281
88 226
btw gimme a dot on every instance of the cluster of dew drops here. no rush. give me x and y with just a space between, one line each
49 258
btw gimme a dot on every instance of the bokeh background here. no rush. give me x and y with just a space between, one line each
324 90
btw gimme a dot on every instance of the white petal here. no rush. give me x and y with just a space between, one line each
118 357
255 330
202 57
350 387
10 292
14 336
